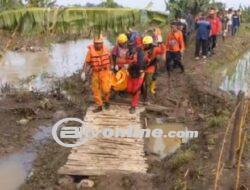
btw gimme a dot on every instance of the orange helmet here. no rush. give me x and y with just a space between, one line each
98 39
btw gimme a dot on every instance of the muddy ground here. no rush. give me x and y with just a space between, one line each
194 98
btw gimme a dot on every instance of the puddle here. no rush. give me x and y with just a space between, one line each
240 79
58 61
15 168
164 146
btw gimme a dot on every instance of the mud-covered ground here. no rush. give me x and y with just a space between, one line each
193 97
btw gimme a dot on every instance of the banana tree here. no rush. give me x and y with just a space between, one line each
10 4
69 20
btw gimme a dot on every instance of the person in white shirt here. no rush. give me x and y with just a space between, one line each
230 21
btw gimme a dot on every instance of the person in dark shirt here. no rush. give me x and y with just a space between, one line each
202 36
235 23
183 27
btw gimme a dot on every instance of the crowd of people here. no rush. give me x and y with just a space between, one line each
210 26
133 64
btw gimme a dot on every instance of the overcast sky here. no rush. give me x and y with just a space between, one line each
158 4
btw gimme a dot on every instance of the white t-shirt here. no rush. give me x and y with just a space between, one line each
230 18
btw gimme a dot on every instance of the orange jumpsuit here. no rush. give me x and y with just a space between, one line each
149 57
101 73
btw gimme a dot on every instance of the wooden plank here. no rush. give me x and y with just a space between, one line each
101 156
90 157
77 170
100 150
135 165
158 108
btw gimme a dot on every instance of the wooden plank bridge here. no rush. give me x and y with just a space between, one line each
101 156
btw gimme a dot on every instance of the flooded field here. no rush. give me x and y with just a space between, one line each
39 68
240 79
16 167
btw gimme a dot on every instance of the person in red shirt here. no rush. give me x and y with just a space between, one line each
174 48
215 29
135 81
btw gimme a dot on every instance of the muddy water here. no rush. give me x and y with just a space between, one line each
60 60
240 79
15 168
164 146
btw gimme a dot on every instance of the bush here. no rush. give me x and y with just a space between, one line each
246 15
180 159
216 121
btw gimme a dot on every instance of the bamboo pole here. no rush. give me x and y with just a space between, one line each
237 123
239 162
242 142
218 169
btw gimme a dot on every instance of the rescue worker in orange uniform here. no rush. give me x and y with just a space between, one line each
160 57
150 63
119 53
98 59
174 48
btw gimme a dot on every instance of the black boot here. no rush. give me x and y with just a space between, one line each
106 105
122 94
132 110
182 68
98 109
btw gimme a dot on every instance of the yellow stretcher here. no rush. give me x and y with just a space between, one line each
119 80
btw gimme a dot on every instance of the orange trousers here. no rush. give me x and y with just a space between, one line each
101 86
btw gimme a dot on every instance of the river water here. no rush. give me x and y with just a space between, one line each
58 61
240 79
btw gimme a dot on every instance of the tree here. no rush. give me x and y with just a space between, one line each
149 5
90 5
41 3
105 4
219 5
10 4
109 4
184 6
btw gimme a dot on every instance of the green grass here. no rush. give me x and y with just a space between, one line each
216 122
180 159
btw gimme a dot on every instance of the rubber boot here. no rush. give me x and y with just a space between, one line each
106 105
132 110
152 87
98 109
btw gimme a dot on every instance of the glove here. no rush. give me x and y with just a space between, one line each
126 66
117 68
159 39
83 76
